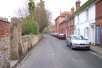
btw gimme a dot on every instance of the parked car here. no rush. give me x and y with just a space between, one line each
52 34
55 34
61 36
78 41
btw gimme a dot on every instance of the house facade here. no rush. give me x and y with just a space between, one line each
59 19
99 22
85 21
67 26
68 23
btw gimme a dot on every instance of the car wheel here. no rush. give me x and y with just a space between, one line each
67 43
89 48
71 47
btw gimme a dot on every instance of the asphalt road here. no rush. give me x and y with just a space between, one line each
54 53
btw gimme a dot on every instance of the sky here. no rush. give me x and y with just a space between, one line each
9 7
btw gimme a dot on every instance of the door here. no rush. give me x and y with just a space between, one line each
98 34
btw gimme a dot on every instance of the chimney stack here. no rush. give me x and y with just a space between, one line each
72 10
78 4
60 12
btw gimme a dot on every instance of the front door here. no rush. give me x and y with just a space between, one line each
98 34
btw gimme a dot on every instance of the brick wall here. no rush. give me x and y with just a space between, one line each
58 20
72 26
4 28
99 16
63 27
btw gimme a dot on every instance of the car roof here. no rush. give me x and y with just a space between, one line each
75 35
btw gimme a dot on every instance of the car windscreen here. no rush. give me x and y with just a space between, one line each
61 34
78 37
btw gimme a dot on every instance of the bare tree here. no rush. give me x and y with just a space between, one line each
23 12
43 16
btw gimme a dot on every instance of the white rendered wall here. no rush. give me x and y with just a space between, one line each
84 23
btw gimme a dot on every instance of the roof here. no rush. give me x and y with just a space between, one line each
68 13
4 21
89 2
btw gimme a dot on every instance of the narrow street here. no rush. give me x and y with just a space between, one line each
54 53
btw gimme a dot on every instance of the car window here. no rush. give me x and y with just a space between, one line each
61 34
78 37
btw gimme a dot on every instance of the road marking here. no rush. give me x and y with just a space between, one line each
92 52
27 56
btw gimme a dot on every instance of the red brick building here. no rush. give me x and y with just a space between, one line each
4 28
99 22
67 26
59 19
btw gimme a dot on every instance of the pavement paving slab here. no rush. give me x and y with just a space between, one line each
13 62
97 49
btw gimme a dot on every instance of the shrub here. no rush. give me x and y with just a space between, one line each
30 27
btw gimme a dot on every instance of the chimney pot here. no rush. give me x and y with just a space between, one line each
78 4
72 10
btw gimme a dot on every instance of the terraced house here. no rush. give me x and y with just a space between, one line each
86 21
98 22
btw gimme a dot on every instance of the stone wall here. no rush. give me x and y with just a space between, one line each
14 46
15 43
21 44
29 41
26 43
4 53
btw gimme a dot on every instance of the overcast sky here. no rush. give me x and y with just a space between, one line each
8 7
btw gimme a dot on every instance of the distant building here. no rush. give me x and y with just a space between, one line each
4 28
60 18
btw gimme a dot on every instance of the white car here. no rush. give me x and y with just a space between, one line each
78 41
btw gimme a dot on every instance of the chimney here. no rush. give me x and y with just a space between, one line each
60 12
9 19
78 4
72 10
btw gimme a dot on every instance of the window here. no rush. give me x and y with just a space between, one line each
87 14
75 31
72 22
69 23
78 37
78 19
87 33
78 31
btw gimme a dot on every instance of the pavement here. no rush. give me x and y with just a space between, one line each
95 48
13 62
